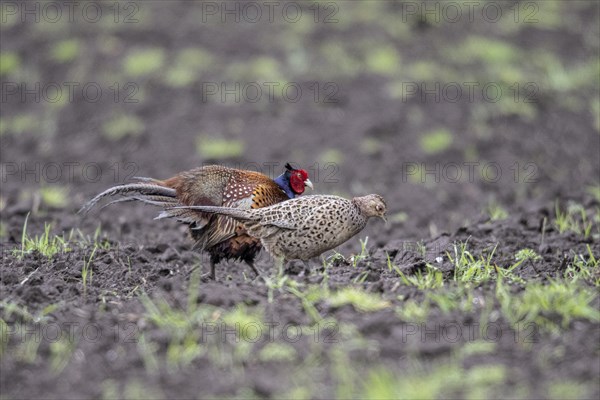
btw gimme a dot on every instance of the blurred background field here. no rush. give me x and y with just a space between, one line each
405 88
455 112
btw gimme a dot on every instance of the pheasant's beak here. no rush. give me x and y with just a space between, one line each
383 218
308 183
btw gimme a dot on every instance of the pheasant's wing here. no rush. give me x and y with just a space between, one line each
272 220
288 220
215 186
238 194
200 186
297 214
241 192
204 186
271 224
266 194
220 229
245 190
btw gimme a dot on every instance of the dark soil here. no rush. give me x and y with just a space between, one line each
117 349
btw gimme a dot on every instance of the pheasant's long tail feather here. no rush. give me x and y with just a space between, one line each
160 201
150 193
235 213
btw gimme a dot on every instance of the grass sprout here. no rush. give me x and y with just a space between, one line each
414 311
87 271
468 268
496 212
46 244
551 306
574 219
584 268
358 298
364 253
307 303
527 254
277 352
458 298
61 352
430 279
182 325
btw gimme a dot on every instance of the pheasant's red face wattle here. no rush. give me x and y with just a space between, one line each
298 180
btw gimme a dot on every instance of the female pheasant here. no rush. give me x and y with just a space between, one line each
213 185
305 227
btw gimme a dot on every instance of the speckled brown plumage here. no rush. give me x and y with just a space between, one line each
213 185
308 226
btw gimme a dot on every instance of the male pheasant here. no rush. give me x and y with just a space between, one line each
305 227
213 185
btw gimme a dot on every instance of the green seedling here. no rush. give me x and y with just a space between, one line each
383 60
361 278
436 141
457 298
181 325
54 196
431 279
9 62
551 306
215 148
413 311
137 390
468 268
99 239
27 350
189 64
358 298
61 352
331 156
521 257
277 352
594 190
65 50
144 62
527 254
575 219
87 271
123 126
364 253
46 244
569 389
307 304
275 284
147 351
244 320
496 212
585 268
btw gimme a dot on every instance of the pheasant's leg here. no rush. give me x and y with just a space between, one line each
279 261
306 268
305 271
211 275
251 264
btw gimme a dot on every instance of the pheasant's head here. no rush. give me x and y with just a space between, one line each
293 181
371 205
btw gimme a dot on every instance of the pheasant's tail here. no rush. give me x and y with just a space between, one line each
235 213
149 193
